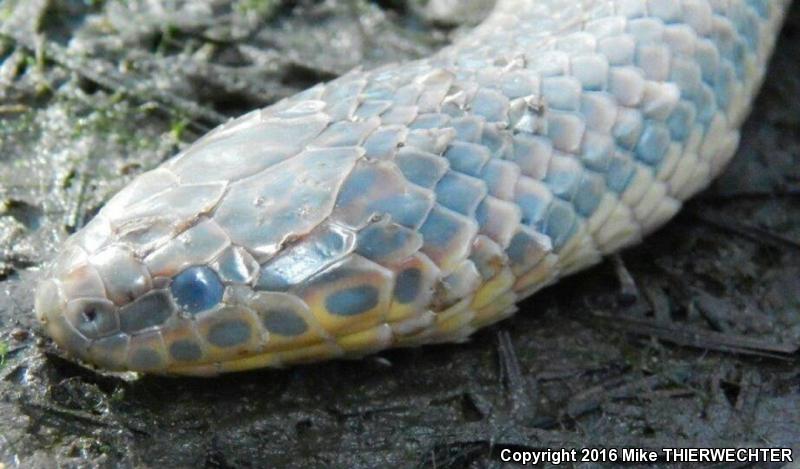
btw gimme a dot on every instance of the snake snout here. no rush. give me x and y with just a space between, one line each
89 303
74 322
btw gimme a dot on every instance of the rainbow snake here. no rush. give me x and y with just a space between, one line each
417 202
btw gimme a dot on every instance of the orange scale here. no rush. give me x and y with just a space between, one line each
146 352
262 360
368 341
450 325
501 307
415 282
541 275
288 321
183 343
230 332
493 288
349 296
413 325
309 354
202 371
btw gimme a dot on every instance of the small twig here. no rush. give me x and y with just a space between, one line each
629 292
754 233
515 382
43 410
73 215
711 308
658 301
592 398
699 338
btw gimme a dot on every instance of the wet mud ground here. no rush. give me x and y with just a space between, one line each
699 348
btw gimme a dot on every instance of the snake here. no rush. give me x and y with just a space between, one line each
416 202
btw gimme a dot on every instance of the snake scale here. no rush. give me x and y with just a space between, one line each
416 202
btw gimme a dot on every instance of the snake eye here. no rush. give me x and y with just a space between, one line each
197 289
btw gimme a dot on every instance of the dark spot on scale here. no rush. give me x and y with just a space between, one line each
185 350
352 301
229 333
408 284
284 322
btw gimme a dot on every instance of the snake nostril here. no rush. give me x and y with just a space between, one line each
90 314
92 317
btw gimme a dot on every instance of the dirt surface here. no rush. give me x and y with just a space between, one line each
700 349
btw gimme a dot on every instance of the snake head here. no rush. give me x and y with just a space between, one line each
134 273
240 253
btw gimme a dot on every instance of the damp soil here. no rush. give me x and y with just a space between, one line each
690 339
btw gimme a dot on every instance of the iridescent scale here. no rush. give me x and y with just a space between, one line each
417 202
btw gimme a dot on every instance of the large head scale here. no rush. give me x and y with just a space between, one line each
135 274
250 249
161 280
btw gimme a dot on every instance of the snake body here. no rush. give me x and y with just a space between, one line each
417 202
